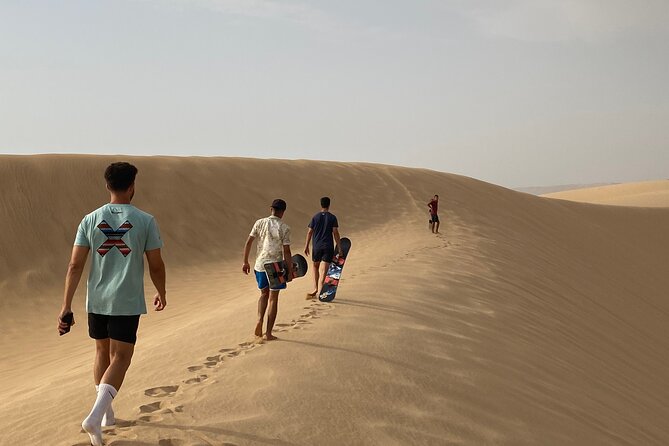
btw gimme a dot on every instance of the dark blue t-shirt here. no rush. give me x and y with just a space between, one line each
322 224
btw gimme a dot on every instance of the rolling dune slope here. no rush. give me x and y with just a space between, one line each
647 193
527 321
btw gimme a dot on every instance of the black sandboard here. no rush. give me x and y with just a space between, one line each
277 272
333 276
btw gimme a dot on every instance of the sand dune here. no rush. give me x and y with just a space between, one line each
544 190
647 193
528 321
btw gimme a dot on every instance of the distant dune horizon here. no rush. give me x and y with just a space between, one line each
529 320
644 193
542 190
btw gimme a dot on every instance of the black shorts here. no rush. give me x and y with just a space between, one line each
434 218
119 328
322 254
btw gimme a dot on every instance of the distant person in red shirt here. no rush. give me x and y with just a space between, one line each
434 218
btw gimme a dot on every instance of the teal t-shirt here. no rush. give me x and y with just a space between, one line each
118 235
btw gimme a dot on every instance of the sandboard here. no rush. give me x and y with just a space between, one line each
277 273
335 269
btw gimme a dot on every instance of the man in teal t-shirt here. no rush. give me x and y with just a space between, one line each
116 281
119 235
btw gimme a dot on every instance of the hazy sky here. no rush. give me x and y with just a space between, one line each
516 92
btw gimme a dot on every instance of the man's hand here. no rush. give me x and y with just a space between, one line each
307 242
288 258
74 271
337 239
159 302
63 327
157 273
246 268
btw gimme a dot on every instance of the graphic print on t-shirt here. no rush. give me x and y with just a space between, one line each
114 238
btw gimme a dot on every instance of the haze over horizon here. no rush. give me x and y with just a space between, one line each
517 92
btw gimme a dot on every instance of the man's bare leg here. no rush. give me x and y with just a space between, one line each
316 277
323 272
102 361
437 228
271 314
262 307
121 355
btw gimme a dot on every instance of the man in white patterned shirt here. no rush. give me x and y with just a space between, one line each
273 246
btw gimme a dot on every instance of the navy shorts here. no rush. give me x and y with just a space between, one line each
263 282
322 254
118 328
434 218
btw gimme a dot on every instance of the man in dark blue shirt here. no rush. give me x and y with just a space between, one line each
322 228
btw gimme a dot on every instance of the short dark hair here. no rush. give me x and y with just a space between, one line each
437 196
279 205
325 202
120 176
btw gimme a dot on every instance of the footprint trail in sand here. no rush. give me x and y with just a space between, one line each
163 404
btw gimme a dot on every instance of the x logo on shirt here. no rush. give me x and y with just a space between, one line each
114 238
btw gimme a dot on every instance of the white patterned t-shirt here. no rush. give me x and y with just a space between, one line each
272 235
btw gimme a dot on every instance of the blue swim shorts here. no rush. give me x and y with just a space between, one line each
261 278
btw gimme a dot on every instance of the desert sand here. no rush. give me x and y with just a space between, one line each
645 194
527 321
545 190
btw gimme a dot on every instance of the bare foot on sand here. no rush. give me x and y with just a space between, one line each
311 296
270 337
259 329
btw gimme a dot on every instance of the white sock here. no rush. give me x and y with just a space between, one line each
93 422
108 419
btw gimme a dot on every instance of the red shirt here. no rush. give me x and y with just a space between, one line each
434 206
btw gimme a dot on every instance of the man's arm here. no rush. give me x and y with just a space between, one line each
335 232
157 273
74 272
310 233
246 268
288 258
